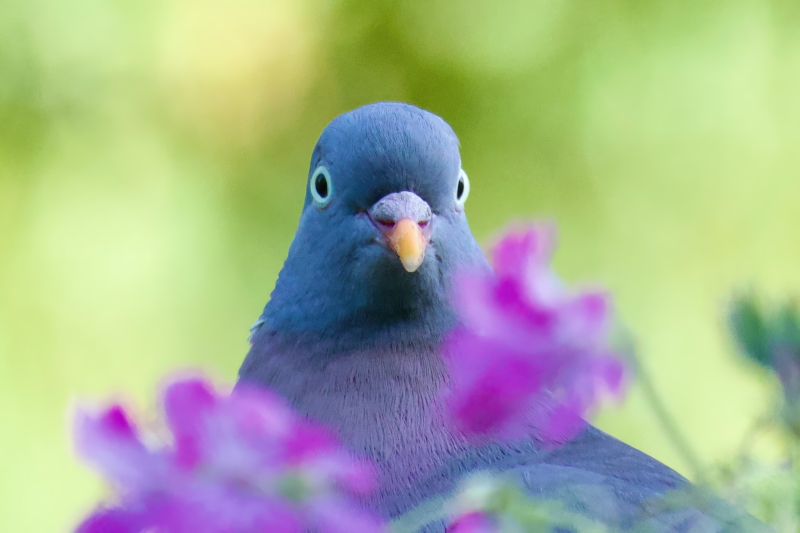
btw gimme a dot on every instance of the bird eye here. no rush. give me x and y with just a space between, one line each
462 189
321 187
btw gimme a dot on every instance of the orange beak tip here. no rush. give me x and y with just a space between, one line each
409 244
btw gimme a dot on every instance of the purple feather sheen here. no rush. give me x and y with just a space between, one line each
383 403
530 354
242 462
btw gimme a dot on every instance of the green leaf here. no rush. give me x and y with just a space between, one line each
750 330
787 329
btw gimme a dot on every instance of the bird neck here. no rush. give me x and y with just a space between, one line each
362 318
383 402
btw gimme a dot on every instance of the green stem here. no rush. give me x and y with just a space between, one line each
754 431
668 424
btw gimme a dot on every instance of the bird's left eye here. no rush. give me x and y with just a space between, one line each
321 187
462 189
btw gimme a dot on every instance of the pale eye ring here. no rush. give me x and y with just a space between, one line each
462 189
321 187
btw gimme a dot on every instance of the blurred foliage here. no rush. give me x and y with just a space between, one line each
153 157
770 491
751 331
772 342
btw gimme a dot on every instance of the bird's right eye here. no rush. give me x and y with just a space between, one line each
462 189
321 187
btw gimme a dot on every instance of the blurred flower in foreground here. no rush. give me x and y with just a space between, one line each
242 462
530 356
474 522
772 342
476 505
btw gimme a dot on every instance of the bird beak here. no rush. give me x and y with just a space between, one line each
405 220
409 243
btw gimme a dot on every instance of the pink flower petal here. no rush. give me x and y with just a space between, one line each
530 356
223 472
187 404
109 442
308 440
111 521
497 390
519 249
475 522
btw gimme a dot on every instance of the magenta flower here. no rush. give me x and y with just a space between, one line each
473 522
239 463
531 357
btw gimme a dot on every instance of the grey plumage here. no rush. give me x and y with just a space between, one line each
352 339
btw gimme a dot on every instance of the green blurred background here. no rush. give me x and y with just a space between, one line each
153 157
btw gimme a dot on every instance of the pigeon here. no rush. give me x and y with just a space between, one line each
351 335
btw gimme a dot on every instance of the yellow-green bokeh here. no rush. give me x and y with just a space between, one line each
153 158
